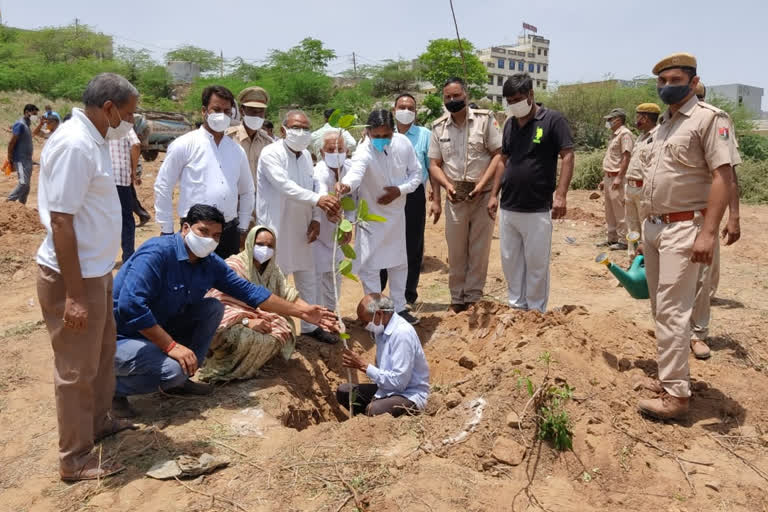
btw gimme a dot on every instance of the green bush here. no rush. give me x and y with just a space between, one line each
754 146
588 170
753 181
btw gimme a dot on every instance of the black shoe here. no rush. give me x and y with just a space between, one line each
618 246
143 220
408 317
323 336
122 408
458 308
606 243
191 388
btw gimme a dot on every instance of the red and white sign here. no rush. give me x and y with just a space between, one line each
529 27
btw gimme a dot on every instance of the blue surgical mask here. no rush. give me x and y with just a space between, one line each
673 94
380 144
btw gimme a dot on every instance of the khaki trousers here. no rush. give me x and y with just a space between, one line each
633 210
706 285
468 232
615 226
84 364
672 286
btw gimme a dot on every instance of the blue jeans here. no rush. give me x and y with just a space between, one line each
141 367
128 233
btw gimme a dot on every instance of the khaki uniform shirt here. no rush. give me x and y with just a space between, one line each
640 156
687 147
449 143
620 143
252 147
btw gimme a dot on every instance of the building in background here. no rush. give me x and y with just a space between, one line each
751 98
529 55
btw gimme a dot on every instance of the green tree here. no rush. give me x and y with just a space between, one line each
442 60
137 61
308 55
394 77
206 59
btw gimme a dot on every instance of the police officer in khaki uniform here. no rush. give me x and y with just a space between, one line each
464 151
249 134
709 275
647 114
615 164
685 193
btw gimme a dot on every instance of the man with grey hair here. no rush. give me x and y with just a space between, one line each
287 203
401 374
80 210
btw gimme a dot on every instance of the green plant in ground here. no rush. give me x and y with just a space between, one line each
753 180
588 170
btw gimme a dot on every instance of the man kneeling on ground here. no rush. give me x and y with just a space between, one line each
165 324
400 376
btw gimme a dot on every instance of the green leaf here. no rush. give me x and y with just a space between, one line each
345 226
344 336
362 209
348 204
372 217
529 384
334 119
346 121
345 267
348 251
350 275
340 235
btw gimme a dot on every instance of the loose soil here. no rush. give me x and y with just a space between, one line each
292 447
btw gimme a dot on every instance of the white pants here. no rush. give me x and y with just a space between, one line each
396 276
526 244
306 284
325 295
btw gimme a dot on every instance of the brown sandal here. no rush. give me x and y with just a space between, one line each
115 425
92 471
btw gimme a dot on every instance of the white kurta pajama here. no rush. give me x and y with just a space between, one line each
381 245
285 202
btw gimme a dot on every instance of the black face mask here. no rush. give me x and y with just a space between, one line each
673 94
454 106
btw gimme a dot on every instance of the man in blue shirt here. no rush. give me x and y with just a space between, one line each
401 374
416 201
20 153
164 322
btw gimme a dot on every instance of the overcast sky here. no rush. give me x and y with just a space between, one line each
589 38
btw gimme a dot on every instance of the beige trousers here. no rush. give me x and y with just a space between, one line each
633 210
672 286
706 286
468 232
84 364
616 228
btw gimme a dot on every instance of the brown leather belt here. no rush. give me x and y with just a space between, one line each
611 174
635 183
669 218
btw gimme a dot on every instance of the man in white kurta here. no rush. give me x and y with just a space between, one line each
285 202
381 245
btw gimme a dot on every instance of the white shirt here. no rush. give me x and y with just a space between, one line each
382 244
401 367
325 182
286 202
214 175
76 178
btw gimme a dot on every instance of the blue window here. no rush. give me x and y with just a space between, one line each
538 68
511 64
530 67
520 65
501 63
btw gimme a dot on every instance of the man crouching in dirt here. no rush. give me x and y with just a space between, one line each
401 375
165 323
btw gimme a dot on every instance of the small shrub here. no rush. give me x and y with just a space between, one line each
753 181
588 170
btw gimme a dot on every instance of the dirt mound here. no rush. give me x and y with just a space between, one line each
582 215
15 218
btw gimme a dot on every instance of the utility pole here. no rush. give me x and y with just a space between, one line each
354 63
77 27
221 70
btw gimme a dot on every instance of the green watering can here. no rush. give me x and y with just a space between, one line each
633 280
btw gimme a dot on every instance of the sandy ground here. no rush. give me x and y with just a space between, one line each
291 447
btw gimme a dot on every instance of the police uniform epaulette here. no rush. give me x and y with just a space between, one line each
717 111
441 119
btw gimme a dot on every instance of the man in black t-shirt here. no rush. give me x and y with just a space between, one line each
533 139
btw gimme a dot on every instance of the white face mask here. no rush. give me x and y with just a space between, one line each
33 119
608 125
297 138
262 253
335 160
405 116
118 133
519 109
199 245
253 122
218 121
375 328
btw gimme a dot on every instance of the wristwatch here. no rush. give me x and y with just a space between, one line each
245 322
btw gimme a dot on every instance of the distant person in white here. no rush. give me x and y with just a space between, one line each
80 210
213 170
401 374
384 170
286 203
317 135
332 166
